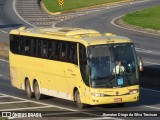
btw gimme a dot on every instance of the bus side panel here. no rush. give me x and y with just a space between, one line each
45 73
15 71
74 79
59 86
52 75
14 78
72 75
55 78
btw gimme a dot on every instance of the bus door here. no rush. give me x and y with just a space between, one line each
69 58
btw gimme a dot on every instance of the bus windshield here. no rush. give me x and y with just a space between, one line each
112 65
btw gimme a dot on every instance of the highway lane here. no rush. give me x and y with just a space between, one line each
101 21
9 19
5 24
151 103
3 35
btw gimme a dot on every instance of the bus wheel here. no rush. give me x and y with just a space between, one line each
78 100
28 89
37 93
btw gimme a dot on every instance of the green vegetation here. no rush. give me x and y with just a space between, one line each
147 18
53 5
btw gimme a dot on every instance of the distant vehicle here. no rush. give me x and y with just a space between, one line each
75 64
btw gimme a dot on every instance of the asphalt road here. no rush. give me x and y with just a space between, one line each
101 21
12 99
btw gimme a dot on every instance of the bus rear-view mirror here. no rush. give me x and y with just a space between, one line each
140 61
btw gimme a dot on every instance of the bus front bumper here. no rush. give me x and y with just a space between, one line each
94 100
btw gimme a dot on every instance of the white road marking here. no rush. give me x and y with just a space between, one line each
4 31
13 102
60 113
149 89
27 108
147 51
113 23
36 102
1 75
45 106
14 8
3 96
102 9
64 113
152 91
157 108
151 63
101 118
4 60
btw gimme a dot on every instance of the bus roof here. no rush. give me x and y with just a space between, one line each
85 36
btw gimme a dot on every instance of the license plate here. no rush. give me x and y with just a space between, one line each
117 99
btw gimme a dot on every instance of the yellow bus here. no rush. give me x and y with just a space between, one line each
76 64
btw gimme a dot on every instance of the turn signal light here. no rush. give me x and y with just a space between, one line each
133 91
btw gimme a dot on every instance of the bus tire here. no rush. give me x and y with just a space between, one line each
37 93
29 93
78 100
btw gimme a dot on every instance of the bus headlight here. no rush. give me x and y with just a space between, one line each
98 94
133 91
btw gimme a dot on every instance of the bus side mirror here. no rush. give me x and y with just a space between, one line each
140 61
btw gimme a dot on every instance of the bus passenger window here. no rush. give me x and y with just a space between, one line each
83 64
14 44
74 49
44 49
34 47
63 56
39 48
57 51
72 53
26 49
63 51
50 50
27 46
20 46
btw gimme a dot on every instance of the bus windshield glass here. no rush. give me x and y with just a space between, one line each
113 65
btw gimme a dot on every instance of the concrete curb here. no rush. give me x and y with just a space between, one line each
119 21
78 9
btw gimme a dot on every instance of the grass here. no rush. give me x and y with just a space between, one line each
53 5
147 18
